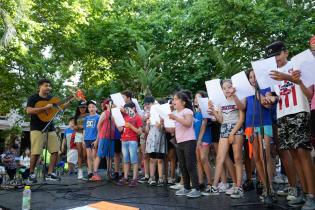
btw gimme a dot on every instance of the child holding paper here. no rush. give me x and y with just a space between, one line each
155 145
129 138
252 106
203 135
293 113
231 133
105 142
186 141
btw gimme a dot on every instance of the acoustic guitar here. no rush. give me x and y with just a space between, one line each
58 104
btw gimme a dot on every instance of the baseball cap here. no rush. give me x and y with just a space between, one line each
275 49
82 104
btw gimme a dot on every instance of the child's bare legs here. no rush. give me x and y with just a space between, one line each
171 157
238 158
96 164
223 148
223 174
89 154
152 167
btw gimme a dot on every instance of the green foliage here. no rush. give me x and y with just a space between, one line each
147 46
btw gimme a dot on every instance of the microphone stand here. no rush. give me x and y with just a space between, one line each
268 202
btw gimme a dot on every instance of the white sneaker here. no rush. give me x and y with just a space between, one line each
194 193
292 195
309 204
182 192
223 187
177 186
80 174
231 190
280 179
238 193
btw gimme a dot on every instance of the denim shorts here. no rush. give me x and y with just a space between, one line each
106 148
130 151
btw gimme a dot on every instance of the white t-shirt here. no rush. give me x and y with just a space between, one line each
25 161
230 112
291 98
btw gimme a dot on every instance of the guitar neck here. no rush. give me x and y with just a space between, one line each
65 100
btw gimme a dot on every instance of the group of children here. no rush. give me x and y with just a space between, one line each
274 117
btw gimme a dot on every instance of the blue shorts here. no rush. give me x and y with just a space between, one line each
106 148
267 130
130 151
88 144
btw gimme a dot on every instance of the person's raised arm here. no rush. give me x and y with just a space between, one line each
186 121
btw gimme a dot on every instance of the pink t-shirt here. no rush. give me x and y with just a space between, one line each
183 133
313 99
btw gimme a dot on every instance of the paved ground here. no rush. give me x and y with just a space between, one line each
70 193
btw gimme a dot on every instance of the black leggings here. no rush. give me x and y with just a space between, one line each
11 173
186 152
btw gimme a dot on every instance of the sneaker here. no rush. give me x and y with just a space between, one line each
283 192
207 191
248 186
122 182
309 203
177 186
32 179
89 176
152 181
238 193
194 193
231 190
223 187
80 174
52 177
96 177
143 180
182 192
259 187
160 183
214 190
299 201
171 181
280 179
116 176
133 183
292 195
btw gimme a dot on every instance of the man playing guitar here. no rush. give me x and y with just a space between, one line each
36 135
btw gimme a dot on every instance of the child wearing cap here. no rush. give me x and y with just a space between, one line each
80 113
129 138
293 114
90 135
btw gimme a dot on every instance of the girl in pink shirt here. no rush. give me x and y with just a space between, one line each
186 139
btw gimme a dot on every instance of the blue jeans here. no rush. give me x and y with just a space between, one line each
129 151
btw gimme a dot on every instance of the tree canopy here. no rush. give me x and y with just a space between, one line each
148 46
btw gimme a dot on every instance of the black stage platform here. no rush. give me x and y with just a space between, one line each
71 193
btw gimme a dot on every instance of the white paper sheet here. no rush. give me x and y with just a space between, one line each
299 59
262 69
118 100
168 123
215 92
164 110
119 119
242 85
138 108
308 73
203 105
154 114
